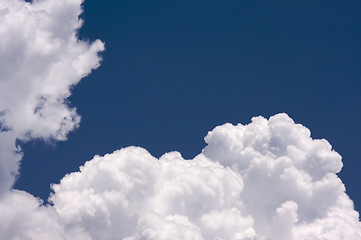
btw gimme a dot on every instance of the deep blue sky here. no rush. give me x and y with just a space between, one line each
173 70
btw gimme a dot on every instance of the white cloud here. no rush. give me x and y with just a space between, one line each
280 162
23 217
130 191
248 183
41 59
265 180
9 161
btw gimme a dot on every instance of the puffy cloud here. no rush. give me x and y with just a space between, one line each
265 180
286 174
153 226
24 217
41 59
10 156
138 196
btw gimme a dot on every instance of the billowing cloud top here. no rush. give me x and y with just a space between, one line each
265 180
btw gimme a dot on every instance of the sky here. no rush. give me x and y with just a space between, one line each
170 73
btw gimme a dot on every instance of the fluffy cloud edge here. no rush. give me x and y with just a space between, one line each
42 60
247 183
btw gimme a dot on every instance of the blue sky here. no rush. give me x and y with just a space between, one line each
173 70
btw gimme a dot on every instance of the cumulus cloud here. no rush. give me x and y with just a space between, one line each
265 180
24 217
139 196
41 59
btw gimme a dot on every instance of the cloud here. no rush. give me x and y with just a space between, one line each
24 217
10 156
265 180
130 191
41 59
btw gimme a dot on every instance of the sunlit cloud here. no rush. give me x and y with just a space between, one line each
264 180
